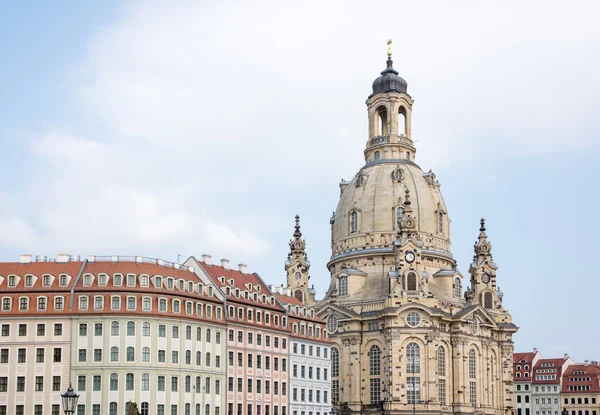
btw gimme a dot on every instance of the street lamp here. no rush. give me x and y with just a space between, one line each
69 399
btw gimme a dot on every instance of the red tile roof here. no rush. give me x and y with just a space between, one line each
39 269
591 372
556 364
240 281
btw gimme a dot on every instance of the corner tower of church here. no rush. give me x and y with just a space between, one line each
406 337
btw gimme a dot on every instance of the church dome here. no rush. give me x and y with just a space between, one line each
389 81
370 205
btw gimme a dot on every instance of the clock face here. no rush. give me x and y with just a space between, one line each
409 256
485 278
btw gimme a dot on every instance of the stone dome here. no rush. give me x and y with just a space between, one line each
389 81
375 193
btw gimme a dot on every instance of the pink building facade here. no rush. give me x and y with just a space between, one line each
258 341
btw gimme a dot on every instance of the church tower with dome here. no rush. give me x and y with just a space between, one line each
407 337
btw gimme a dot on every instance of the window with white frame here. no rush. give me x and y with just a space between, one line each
131 280
83 303
98 302
162 304
131 303
472 364
441 361
146 304
115 303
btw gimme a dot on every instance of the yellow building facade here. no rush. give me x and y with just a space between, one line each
407 338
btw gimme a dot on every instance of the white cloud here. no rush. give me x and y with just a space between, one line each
207 112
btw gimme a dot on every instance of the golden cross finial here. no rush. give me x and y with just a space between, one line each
389 49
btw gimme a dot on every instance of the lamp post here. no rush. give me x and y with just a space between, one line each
69 400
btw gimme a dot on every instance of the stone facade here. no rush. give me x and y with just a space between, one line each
406 336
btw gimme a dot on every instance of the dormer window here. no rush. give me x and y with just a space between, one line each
158 282
131 280
170 283
47 280
102 279
87 280
246 295
144 281
181 285
117 280
343 285
399 216
190 286
397 175
210 291
29 281
457 287
12 281
255 297
63 280
354 221
237 292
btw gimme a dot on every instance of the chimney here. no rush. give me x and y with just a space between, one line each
25 259
91 258
586 362
206 259
566 356
535 350
62 258
242 268
225 263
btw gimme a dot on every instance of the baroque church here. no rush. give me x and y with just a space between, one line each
409 334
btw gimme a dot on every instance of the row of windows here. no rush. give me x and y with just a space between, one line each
256 386
40 355
579 401
310 350
115 304
413 358
144 281
259 408
145 357
354 215
308 330
258 361
37 409
161 409
146 305
304 374
308 397
259 339
38 385
40 329
189 385
146 327
30 280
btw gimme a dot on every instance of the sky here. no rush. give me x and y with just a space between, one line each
165 128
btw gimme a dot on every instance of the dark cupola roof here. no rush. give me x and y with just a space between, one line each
389 80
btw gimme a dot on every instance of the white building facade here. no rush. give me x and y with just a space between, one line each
310 359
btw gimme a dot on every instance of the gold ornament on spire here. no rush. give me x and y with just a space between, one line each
389 48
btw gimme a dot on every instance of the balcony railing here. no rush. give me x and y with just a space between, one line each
379 139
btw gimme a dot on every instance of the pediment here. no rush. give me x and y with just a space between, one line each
331 309
467 313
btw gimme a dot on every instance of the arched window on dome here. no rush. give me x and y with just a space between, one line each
407 156
402 121
381 121
487 301
399 216
440 222
411 281
457 288
299 295
354 221
377 155
343 285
